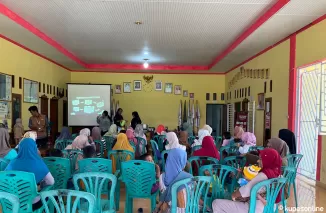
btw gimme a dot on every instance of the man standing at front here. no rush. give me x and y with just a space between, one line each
38 123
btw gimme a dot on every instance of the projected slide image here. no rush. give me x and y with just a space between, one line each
87 105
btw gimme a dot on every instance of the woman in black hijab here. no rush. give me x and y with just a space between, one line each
289 137
118 117
135 120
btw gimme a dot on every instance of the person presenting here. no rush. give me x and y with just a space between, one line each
118 118
135 120
39 124
104 122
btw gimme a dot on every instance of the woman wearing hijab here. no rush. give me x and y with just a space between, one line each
28 160
139 132
86 132
104 121
121 144
281 147
18 130
289 137
175 164
6 151
173 142
270 162
249 139
118 118
65 134
160 130
201 134
208 128
113 131
135 120
208 149
96 133
131 136
188 128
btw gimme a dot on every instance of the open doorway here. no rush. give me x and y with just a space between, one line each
214 118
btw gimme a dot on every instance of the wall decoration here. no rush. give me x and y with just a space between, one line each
168 88
30 91
267 73
177 89
158 85
4 109
258 73
5 87
261 101
137 85
254 73
148 87
127 87
117 89
191 96
250 73
208 97
185 93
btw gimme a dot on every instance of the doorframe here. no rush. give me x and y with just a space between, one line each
271 102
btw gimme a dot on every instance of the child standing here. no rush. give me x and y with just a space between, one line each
18 131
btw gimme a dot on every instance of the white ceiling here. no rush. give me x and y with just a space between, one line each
174 32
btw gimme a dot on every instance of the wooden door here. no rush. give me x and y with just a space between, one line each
267 120
45 106
65 113
16 108
54 111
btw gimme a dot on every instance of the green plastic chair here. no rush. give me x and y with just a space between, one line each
154 147
67 201
132 143
60 169
101 165
191 140
22 185
164 154
3 164
255 148
62 144
195 188
221 189
99 143
109 142
72 155
140 150
97 184
273 188
230 150
160 141
9 202
294 161
139 177
218 141
120 156
237 162
74 136
195 148
198 162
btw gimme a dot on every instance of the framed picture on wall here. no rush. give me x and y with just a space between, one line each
117 89
192 96
30 91
137 85
185 93
177 90
5 87
158 86
127 87
261 101
168 88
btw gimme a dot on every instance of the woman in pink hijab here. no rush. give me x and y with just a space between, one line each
238 132
249 139
131 136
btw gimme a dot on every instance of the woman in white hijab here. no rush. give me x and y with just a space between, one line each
201 134
173 142
208 128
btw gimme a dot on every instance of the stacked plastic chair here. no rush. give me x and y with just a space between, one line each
294 161
9 203
62 144
160 141
60 169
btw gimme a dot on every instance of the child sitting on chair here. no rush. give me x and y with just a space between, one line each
149 158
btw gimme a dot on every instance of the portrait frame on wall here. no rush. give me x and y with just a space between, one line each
168 88
158 86
137 85
127 87
261 101
30 91
192 96
117 89
185 93
177 89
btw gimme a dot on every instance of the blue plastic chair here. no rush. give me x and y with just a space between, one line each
255 148
230 150
62 144
9 203
191 140
218 141
72 155
3 164
160 141
154 147
109 142
195 188
99 144
22 185
60 169
164 154
237 162
221 189
294 161
132 143
120 156
195 148
139 177
67 201
198 162
97 184
141 150
273 188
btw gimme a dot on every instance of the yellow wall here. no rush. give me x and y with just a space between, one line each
156 107
277 60
21 63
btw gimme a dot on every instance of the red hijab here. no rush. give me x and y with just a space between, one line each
208 149
272 163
